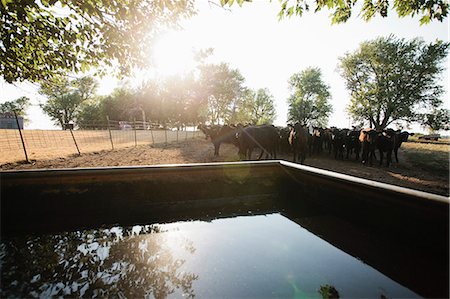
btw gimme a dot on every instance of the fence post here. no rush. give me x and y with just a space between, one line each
21 137
165 134
135 139
151 132
110 135
71 132
177 134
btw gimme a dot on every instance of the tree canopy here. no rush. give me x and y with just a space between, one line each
19 106
436 120
222 88
65 97
341 10
257 107
392 79
46 38
309 99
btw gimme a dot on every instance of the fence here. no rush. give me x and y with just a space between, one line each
47 144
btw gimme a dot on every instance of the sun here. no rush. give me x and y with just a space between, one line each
173 54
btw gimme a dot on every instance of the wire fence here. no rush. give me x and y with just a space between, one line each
49 144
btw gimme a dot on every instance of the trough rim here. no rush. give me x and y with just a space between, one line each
280 163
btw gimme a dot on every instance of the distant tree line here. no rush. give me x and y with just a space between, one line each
213 93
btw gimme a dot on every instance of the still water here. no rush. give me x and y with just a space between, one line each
240 257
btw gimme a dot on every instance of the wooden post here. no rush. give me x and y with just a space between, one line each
21 138
165 133
151 132
73 137
110 135
177 134
135 137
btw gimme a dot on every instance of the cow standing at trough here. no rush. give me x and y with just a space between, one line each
352 143
387 139
219 135
298 139
401 137
369 142
264 137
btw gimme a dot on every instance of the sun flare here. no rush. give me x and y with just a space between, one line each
173 54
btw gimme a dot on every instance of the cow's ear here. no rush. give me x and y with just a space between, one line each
411 134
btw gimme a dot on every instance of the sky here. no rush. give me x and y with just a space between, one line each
267 51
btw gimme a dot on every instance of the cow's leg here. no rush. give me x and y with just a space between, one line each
395 153
381 157
294 151
216 149
388 157
249 153
261 154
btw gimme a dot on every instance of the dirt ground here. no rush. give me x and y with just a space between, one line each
199 150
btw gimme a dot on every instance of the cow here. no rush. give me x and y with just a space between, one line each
219 135
369 142
316 140
385 143
401 137
283 142
327 138
338 142
352 143
298 139
264 137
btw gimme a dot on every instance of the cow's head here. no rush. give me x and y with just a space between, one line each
369 136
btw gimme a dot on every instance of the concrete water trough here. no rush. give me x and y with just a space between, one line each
399 233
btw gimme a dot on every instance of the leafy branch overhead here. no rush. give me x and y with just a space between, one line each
41 39
341 10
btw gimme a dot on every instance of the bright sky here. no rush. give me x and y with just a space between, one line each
266 51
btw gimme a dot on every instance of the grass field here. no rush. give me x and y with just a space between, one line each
431 157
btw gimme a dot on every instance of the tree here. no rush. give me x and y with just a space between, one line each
65 97
43 39
342 9
391 79
222 89
19 106
308 102
257 107
437 120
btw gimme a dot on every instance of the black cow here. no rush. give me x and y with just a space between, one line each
338 142
283 142
401 137
298 139
326 139
264 137
352 143
316 140
219 135
387 139
369 142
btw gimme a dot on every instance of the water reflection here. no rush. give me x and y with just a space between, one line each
252 256
118 262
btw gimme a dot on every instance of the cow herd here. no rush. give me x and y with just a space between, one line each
302 142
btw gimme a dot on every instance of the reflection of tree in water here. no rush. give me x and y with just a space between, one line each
328 292
118 262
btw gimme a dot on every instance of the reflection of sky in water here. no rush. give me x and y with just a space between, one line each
270 255
254 256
